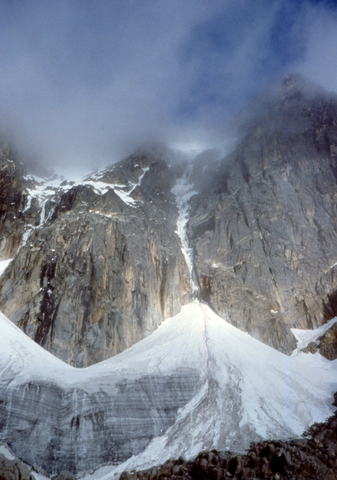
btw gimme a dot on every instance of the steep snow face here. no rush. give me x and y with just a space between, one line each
240 391
4 264
249 391
183 190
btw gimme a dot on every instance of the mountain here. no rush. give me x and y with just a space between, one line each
100 265
263 225
161 275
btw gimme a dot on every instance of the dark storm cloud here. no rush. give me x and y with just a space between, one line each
87 82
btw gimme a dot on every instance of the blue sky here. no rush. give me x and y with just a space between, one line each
87 82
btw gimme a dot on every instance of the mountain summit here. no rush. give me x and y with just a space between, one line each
235 249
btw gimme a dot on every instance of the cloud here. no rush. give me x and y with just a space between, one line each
319 61
85 82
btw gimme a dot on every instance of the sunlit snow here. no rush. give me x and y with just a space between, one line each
247 388
4 264
304 337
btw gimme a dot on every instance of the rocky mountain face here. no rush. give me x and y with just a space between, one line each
99 264
263 224
14 470
12 201
101 270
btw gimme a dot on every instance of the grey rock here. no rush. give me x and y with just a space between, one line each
12 202
64 475
14 470
265 238
328 343
310 348
100 275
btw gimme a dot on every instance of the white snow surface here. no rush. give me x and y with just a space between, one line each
4 264
304 337
246 386
45 189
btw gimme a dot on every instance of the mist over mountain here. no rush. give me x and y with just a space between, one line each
83 84
198 288
168 239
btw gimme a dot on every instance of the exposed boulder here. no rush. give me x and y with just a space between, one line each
14 469
328 343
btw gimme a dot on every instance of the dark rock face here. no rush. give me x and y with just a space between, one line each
14 470
12 202
101 269
328 343
64 475
310 458
265 238
100 274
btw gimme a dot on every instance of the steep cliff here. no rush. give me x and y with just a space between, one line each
104 267
12 201
104 260
263 224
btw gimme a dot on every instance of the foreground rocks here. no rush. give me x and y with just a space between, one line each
328 343
310 458
14 470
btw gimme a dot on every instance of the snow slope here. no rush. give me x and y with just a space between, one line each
247 390
304 337
4 264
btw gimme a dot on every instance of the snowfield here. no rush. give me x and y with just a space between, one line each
4 264
247 389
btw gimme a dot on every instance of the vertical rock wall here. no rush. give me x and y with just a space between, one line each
266 237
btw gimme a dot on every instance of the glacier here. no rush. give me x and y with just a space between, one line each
195 383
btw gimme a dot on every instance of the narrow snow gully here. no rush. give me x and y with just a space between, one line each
183 190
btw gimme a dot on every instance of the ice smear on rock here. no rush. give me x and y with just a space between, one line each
183 190
44 190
